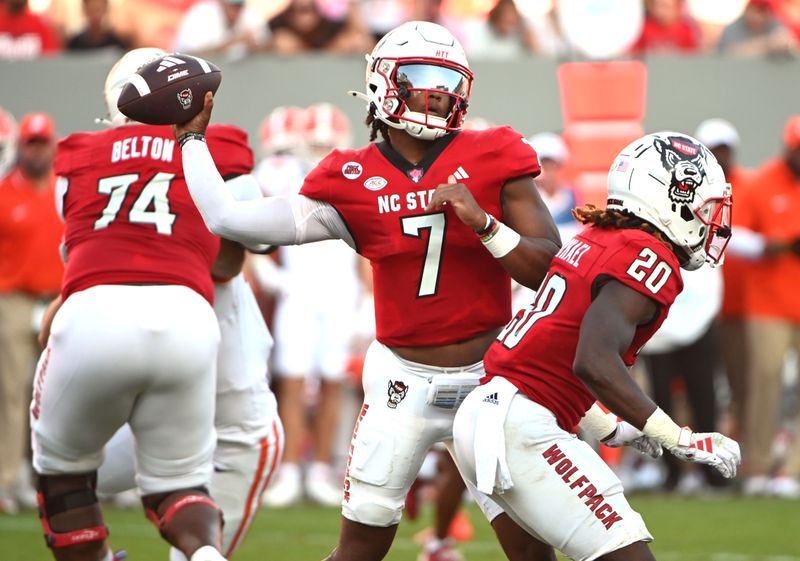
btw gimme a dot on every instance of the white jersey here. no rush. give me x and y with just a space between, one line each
321 289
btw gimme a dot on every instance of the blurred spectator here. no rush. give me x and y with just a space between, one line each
504 34
667 28
23 34
557 193
722 139
433 10
8 141
150 23
769 234
757 33
221 26
97 33
600 29
30 276
303 27
788 11
381 16
683 355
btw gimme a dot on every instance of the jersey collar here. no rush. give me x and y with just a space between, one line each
415 172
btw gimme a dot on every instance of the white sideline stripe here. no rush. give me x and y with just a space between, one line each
140 84
203 64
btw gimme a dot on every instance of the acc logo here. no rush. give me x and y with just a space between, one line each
185 98
375 183
352 170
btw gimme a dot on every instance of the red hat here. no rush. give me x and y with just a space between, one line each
37 125
761 3
791 132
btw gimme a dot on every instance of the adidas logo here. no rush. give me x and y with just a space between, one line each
492 398
169 62
460 174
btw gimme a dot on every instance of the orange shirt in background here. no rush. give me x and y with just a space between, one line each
735 270
30 234
769 207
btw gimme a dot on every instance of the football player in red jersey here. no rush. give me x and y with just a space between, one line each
446 217
136 339
606 293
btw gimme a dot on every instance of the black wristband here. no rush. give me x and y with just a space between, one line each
490 223
187 136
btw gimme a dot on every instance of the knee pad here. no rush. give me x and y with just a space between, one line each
62 494
172 503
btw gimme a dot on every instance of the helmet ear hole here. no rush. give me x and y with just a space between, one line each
686 213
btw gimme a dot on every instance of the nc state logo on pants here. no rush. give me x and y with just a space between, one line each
397 391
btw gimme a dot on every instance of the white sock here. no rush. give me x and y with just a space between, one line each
207 553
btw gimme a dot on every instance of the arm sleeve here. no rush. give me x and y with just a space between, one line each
286 220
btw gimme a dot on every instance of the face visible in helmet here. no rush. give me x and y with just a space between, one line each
419 81
674 182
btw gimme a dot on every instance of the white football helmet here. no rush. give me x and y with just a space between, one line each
674 182
325 128
417 60
281 131
8 142
119 75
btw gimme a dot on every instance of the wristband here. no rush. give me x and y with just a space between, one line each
598 423
187 136
501 240
666 432
490 222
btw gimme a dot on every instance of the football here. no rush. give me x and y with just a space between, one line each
169 90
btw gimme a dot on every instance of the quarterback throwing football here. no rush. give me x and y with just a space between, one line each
446 217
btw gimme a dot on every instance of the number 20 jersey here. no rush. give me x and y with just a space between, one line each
434 282
536 350
128 213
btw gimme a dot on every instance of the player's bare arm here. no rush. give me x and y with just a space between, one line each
524 212
268 220
607 330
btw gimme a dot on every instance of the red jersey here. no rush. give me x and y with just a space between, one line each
129 216
25 35
434 282
536 350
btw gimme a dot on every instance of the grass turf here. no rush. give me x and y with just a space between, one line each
721 528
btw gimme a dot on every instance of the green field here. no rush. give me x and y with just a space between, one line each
708 529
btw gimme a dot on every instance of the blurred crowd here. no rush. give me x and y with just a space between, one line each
488 29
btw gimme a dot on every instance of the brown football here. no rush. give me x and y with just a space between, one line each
169 90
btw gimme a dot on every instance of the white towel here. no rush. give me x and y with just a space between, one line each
491 469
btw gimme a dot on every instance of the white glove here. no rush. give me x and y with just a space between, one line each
713 449
628 435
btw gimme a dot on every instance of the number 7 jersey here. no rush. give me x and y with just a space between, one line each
434 282
128 213
536 349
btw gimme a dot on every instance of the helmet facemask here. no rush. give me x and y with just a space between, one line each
675 183
427 99
418 80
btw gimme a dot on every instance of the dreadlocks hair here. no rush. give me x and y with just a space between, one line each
376 126
622 219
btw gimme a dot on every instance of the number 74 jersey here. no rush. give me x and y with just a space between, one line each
128 213
536 349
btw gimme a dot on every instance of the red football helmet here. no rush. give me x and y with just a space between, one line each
8 141
282 130
326 128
